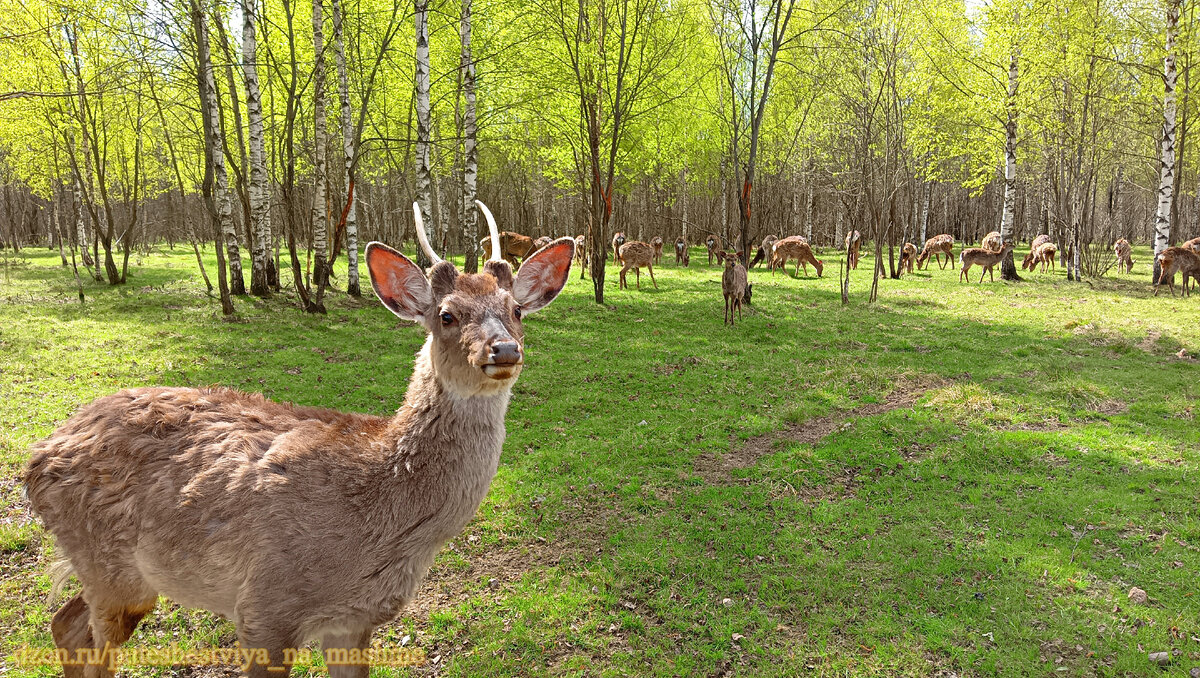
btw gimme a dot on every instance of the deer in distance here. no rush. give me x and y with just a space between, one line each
1177 260
581 254
636 254
794 247
1044 255
985 258
541 242
713 243
514 247
853 247
1193 245
297 523
656 243
682 256
1124 253
907 254
935 247
733 285
617 241
764 251
991 242
1029 263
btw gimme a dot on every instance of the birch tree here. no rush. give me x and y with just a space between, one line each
421 81
469 213
1008 268
349 219
1166 176
258 187
320 206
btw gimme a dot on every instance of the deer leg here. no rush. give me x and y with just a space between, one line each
72 631
637 271
112 625
651 269
336 647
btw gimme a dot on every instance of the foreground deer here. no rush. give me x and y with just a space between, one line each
1177 260
991 242
636 254
733 285
1124 254
764 251
1030 262
656 243
971 256
907 254
935 247
1045 256
617 241
298 523
713 243
514 247
853 245
795 247
682 256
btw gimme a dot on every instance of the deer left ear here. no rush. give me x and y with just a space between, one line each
543 275
398 282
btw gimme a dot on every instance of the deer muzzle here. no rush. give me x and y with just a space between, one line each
504 360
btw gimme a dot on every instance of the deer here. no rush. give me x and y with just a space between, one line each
1177 260
1124 253
617 241
514 247
907 254
985 258
935 247
541 242
1193 245
795 247
733 285
853 245
656 243
1044 255
764 251
1030 262
297 523
636 254
713 243
581 254
991 242
682 256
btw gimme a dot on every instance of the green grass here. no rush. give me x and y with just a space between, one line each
992 528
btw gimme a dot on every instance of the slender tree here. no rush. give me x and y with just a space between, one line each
1166 181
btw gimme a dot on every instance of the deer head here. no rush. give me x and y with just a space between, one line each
474 321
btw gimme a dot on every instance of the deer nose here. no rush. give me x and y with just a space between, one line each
505 353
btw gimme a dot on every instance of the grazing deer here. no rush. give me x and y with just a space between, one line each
297 523
1045 256
795 247
1177 260
682 256
514 247
1193 245
907 254
983 257
617 241
733 285
935 247
1124 254
764 251
853 245
991 242
581 254
636 254
541 242
713 243
1030 262
656 243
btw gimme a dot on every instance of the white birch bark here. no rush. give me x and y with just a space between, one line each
925 214
808 212
258 186
320 208
470 213
339 39
423 170
683 197
1166 182
1008 268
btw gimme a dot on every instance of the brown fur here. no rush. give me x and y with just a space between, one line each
935 247
713 244
991 242
297 523
636 254
682 255
764 251
617 241
795 247
1044 255
657 244
733 286
1030 263
1193 245
1177 260
514 247
581 254
985 258
907 255
541 242
1123 251
853 246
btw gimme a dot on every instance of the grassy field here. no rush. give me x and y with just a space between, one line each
956 480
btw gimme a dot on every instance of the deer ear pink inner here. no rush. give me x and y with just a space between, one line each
398 282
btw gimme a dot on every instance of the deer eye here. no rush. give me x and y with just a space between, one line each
447 319
517 312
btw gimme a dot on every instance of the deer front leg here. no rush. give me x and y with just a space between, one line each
651 269
337 650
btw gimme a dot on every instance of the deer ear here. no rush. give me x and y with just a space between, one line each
543 275
398 282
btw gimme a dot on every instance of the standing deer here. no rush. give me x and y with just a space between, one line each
907 254
1177 260
935 247
713 243
636 254
853 246
581 254
991 242
514 247
617 241
764 251
298 523
682 256
983 257
1030 262
795 247
1044 255
1124 254
1193 245
656 243
733 285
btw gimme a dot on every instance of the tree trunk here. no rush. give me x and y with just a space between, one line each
350 213
1008 267
468 224
1166 182
259 185
423 169
320 207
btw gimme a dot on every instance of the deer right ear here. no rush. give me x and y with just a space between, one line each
398 282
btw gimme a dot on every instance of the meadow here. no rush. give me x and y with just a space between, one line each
959 479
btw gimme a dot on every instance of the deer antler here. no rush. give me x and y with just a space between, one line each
424 239
491 222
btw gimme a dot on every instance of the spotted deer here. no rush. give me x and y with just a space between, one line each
1124 253
733 285
907 254
617 241
795 247
1030 262
682 256
1177 260
991 242
1193 245
935 247
764 251
541 242
514 247
987 259
1045 256
635 254
297 523
853 247
656 243
713 243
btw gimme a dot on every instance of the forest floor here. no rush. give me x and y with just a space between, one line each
959 479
